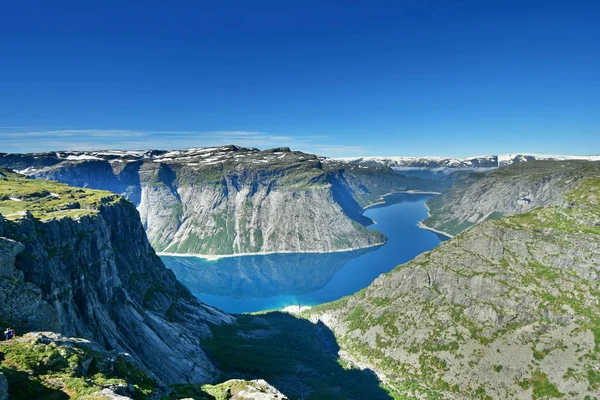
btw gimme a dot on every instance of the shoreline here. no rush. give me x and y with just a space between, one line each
423 226
382 197
214 257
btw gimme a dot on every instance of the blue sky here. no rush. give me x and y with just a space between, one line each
453 78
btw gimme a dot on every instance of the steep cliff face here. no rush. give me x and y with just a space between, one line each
95 267
21 302
507 309
231 200
251 202
220 221
507 191
121 177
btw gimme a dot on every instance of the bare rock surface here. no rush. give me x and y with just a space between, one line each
3 387
507 309
510 190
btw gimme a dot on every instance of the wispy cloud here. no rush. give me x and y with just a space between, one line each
20 140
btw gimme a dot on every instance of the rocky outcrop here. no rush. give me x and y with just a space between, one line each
508 309
47 365
233 200
21 302
257 389
507 191
96 269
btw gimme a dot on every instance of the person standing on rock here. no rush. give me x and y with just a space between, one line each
9 333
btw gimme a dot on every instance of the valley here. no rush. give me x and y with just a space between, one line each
300 200
507 308
266 282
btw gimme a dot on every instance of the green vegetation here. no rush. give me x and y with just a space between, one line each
542 387
451 227
222 391
42 369
475 195
47 199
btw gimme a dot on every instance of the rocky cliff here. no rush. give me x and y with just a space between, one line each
507 309
83 258
21 302
506 191
232 200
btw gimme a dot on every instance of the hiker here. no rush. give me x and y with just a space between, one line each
9 333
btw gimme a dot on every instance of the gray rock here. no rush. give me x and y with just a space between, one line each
21 302
511 190
106 394
257 389
99 278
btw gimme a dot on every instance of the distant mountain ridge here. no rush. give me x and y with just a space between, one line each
491 161
510 190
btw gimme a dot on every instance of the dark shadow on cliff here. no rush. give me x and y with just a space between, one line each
296 356
342 194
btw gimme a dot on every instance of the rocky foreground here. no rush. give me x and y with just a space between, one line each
46 365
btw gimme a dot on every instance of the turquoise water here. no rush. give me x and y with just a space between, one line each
264 282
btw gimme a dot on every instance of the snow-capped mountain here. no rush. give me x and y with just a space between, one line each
492 161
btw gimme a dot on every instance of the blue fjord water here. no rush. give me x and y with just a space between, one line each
273 281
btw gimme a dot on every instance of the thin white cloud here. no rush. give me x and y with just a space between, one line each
22 140
337 150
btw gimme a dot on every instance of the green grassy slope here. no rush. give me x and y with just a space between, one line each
47 199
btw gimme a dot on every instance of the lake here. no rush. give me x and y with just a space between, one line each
274 281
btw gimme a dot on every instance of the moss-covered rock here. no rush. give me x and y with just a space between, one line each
46 365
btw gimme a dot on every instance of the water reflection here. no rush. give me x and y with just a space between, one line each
261 275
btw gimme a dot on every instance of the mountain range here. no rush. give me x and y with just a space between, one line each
233 200
477 162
